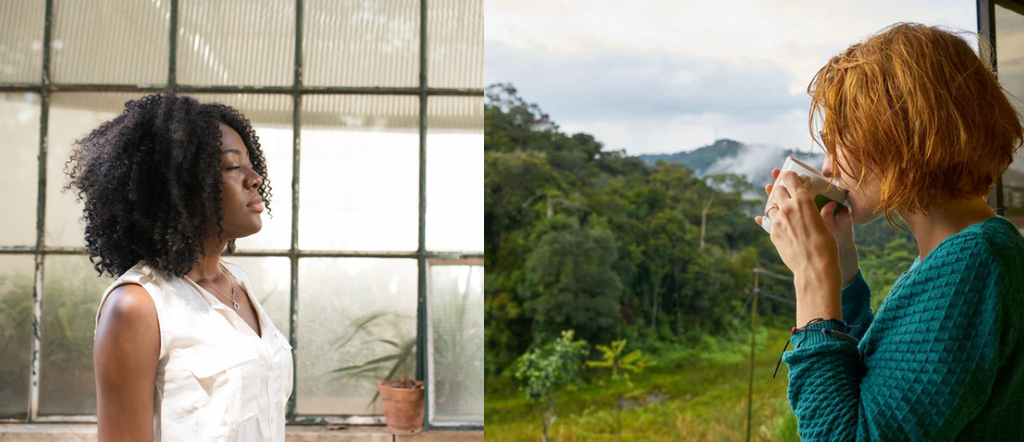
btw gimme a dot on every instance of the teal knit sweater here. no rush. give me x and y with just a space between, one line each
941 359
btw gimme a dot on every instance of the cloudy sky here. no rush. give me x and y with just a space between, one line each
666 75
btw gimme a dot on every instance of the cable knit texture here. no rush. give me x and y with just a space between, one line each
939 361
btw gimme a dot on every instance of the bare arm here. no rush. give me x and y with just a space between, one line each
125 355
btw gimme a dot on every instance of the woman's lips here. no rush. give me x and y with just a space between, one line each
258 206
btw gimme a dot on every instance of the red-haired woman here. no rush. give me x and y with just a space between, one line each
913 124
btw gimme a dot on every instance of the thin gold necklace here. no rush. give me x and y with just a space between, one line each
233 302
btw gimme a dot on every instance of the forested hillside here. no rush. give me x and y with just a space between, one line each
604 244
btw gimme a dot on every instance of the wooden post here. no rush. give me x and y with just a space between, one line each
750 388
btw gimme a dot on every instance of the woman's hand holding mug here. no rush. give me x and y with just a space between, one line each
842 228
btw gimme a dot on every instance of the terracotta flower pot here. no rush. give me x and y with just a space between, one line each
403 405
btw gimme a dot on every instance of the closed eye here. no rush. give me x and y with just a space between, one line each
236 167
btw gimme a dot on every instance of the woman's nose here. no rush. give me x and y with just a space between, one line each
255 181
826 168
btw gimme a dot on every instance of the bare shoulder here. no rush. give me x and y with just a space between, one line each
128 320
128 306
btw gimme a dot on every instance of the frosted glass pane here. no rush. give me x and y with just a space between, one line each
271 279
455 44
73 115
236 42
16 279
71 294
455 174
352 311
21 40
271 118
361 43
110 41
360 173
19 147
457 343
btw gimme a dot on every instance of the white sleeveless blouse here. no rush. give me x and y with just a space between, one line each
216 379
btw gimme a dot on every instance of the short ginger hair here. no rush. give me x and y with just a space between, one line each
917 109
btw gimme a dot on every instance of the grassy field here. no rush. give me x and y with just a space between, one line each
700 397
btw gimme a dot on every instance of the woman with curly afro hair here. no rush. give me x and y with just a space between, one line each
183 350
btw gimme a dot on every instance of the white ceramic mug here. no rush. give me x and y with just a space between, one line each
817 183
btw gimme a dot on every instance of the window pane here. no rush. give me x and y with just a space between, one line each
73 115
457 343
19 146
351 312
21 41
71 294
16 275
236 42
361 43
1010 56
360 173
110 41
270 278
271 118
455 174
455 44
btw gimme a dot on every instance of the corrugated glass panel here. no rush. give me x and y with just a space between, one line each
271 118
455 174
353 311
71 295
455 44
361 43
457 343
360 169
236 42
21 40
17 273
19 147
110 41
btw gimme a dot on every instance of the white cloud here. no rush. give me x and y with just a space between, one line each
772 48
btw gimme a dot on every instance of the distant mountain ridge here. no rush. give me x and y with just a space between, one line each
730 156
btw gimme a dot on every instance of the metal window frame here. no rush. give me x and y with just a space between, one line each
987 30
297 90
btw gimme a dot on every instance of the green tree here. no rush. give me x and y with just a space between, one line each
548 370
569 281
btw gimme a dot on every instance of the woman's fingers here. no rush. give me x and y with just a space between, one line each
768 189
758 219
793 182
780 194
775 173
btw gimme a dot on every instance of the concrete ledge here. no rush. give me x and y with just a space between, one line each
47 432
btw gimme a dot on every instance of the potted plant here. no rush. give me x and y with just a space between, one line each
403 405
402 398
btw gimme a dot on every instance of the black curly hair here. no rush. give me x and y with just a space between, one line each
151 182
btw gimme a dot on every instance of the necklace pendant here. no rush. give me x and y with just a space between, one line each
234 304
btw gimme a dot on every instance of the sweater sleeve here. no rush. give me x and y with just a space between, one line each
927 370
856 303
